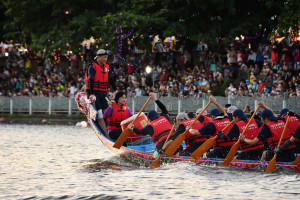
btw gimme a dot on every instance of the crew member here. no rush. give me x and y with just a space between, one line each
203 119
115 114
295 138
271 133
219 121
248 152
158 128
96 84
192 142
293 121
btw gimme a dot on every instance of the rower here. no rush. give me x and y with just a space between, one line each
271 132
115 114
192 142
293 124
248 152
295 138
203 119
158 127
230 111
219 121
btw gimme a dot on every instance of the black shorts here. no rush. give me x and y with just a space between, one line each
101 102
284 156
218 153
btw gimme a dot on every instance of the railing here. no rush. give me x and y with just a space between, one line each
64 105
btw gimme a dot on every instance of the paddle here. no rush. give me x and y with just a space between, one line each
237 145
155 163
122 138
178 141
272 163
208 143
297 161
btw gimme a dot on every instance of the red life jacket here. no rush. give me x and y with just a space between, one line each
276 130
220 124
293 123
190 138
162 128
117 116
251 133
100 79
206 120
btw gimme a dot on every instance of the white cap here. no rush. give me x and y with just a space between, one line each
231 109
182 116
199 111
102 52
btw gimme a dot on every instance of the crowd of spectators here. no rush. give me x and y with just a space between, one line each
237 70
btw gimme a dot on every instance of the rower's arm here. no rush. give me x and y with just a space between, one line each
248 141
147 130
213 100
162 107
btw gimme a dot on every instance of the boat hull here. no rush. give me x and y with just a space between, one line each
142 154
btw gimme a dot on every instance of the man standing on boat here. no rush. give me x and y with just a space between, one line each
219 121
271 133
96 84
159 127
248 152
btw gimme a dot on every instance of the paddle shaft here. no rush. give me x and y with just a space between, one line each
121 139
272 163
208 143
178 141
155 163
173 127
237 145
141 110
297 161
197 117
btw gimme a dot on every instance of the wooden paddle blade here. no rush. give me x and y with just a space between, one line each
122 138
272 164
297 161
155 163
175 145
231 154
204 147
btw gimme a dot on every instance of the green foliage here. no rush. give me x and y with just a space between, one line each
51 24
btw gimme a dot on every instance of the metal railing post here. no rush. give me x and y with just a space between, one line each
70 107
11 106
30 106
179 105
50 105
133 106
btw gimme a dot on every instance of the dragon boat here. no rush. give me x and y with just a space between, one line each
139 149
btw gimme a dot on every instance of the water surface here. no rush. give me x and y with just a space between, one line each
69 162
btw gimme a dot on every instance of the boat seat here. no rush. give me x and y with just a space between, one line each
137 142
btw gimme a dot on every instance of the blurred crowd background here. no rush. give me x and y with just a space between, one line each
235 70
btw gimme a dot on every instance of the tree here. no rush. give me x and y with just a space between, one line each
49 24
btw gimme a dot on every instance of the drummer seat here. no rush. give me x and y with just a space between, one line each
137 142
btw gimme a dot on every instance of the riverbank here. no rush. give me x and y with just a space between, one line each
42 119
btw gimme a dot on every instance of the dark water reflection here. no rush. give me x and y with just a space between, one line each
68 162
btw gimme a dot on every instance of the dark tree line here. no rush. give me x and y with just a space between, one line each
49 24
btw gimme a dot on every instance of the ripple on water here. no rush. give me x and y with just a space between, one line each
68 162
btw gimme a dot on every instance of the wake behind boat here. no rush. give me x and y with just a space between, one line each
140 149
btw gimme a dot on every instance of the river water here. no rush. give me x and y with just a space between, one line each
69 162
